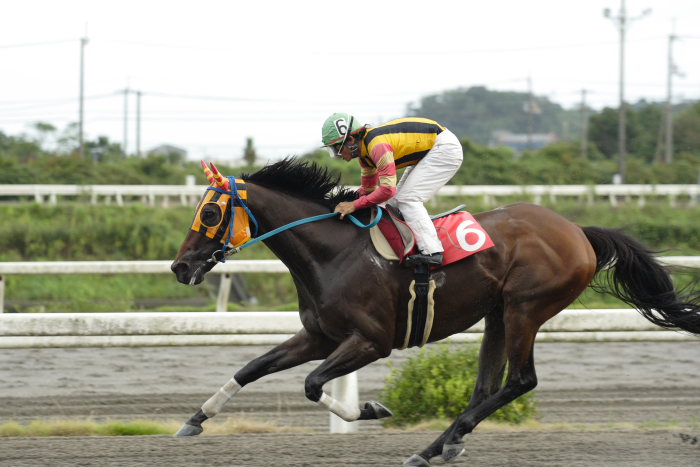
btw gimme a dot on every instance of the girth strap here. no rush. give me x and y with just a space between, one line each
420 308
420 304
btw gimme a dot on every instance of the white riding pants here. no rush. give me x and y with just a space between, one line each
420 182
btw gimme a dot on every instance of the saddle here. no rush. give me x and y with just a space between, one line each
461 236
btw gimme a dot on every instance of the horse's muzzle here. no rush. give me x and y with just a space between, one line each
186 273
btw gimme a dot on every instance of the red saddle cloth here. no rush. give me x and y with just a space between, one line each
461 236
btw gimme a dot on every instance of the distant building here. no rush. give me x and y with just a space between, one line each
169 149
520 142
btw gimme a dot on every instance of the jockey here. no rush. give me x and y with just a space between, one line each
431 154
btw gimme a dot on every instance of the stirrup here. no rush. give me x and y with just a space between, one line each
434 259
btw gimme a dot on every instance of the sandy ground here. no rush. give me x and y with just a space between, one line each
605 448
652 384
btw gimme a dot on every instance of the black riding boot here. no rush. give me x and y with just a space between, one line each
434 259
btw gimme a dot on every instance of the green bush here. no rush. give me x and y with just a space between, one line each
438 383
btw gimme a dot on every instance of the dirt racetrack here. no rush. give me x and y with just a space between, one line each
652 385
605 448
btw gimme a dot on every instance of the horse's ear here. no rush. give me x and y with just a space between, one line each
220 180
210 176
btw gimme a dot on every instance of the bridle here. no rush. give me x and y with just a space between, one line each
227 250
236 200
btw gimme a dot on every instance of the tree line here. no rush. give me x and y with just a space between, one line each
476 113
473 114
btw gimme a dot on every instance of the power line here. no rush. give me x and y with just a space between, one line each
255 99
191 120
36 44
216 98
303 104
378 52
38 104
41 103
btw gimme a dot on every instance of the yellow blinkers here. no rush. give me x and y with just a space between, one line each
220 230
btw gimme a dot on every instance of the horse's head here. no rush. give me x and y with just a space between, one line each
220 222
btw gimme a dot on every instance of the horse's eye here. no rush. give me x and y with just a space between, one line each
211 215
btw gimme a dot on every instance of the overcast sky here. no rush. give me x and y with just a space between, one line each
212 73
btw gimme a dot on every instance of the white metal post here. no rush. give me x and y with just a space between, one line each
2 294
224 290
344 389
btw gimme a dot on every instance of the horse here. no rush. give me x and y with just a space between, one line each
353 302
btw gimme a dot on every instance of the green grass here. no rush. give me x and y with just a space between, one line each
83 428
232 425
77 427
75 232
99 293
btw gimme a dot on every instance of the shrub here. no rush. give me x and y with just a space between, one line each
438 383
134 428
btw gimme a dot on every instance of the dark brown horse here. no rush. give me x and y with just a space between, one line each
353 303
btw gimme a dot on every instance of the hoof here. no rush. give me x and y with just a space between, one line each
451 451
373 410
416 461
189 430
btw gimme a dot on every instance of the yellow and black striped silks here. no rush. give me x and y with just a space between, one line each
220 231
410 138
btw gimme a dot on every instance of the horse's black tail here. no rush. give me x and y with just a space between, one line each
640 281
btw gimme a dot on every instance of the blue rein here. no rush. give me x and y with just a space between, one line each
236 199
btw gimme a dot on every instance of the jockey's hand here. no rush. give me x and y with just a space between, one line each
344 208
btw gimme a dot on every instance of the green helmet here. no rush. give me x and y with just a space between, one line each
335 128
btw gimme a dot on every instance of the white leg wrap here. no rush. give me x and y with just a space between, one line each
349 414
217 401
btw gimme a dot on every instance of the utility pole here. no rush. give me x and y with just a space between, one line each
81 135
584 126
138 123
126 121
672 69
621 21
530 109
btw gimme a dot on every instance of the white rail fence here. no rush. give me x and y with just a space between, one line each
137 267
144 329
163 267
189 194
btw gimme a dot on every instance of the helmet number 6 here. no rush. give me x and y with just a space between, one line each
342 126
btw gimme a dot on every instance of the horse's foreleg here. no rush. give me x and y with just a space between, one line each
351 355
300 348
492 358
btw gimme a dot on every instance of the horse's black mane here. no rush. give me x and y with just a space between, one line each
303 178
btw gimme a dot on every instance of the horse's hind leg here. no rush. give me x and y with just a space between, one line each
519 338
301 348
519 342
492 358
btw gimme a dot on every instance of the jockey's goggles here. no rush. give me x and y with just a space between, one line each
334 149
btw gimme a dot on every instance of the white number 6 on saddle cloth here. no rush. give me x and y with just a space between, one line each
461 236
